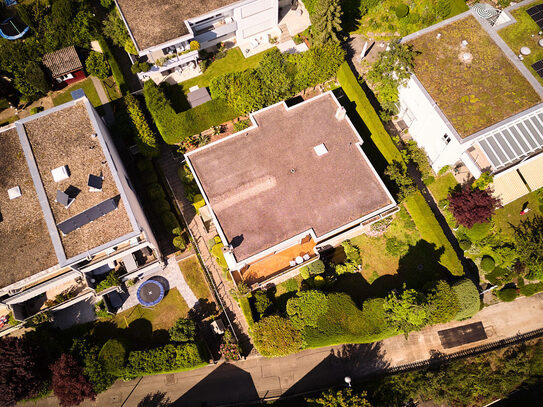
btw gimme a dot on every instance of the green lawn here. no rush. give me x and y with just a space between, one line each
234 61
194 276
111 88
520 34
86 85
510 213
442 185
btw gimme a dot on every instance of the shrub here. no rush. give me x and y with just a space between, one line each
35 110
507 294
138 67
304 272
113 356
184 330
465 244
276 336
170 222
529 245
487 263
149 177
145 138
96 373
198 202
115 68
35 76
155 191
262 302
347 267
247 311
406 311
164 359
352 252
401 11
306 307
484 181
468 299
443 303
396 247
161 205
97 65
478 231
241 125
179 242
471 206
216 251
111 280
68 382
316 267
319 281
397 173
531 289
291 285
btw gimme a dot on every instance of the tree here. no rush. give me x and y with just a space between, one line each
407 310
35 76
69 384
397 172
115 29
443 302
470 206
20 376
341 398
529 245
276 336
327 21
113 356
262 302
184 330
392 69
468 299
275 81
306 307
352 252
97 65
317 267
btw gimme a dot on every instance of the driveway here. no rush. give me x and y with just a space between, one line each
313 369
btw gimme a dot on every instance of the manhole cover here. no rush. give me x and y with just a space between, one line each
170 379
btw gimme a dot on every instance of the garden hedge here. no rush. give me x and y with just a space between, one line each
378 134
161 205
164 359
247 311
115 68
507 294
155 191
170 222
113 356
144 136
431 231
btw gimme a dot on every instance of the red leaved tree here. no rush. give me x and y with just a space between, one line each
69 384
20 376
470 206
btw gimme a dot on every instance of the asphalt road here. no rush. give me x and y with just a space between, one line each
257 377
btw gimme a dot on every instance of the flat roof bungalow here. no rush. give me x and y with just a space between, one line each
295 179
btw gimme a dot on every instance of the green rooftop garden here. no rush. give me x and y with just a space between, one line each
475 86
524 33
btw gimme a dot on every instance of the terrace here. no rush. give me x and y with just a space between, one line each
65 138
26 246
469 77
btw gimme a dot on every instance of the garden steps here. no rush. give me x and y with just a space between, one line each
285 35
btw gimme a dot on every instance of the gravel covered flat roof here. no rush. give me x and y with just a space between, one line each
267 184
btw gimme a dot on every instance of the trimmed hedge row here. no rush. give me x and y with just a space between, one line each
164 359
145 138
115 68
174 127
246 309
431 231
356 94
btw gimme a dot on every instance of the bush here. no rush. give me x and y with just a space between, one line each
276 336
216 251
179 242
291 285
145 138
306 307
478 231
246 309
465 244
262 302
97 65
170 222
115 68
149 177
317 267
352 252
160 205
531 289
194 45
184 330
396 247
113 356
304 272
198 202
401 11
241 125
155 191
507 294
471 206
138 67
164 359
36 110
443 302
68 382
111 280
397 173
488 263
468 299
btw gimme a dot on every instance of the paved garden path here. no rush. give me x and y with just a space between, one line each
170 167
312 369
108 111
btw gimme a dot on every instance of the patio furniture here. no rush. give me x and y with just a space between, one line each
306 257
150 293
292 263
299 260
254 43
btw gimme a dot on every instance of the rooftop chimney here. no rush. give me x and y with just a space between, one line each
340 113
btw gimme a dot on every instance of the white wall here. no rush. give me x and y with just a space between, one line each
428 127
255 18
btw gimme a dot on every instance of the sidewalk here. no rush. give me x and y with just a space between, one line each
109 117
169 167
313 369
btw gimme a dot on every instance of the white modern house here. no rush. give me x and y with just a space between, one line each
162 29
69 215
472 103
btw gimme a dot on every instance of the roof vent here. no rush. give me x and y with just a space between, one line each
14 192
320 149
340 113
464 43
60 173
94 135
438 36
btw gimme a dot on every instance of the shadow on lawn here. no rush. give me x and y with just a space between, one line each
417 267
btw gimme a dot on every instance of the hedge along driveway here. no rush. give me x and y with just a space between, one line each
174 127
422 215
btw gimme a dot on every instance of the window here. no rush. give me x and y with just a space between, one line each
446 138
408 117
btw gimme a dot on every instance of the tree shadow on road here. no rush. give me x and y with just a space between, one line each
157 399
